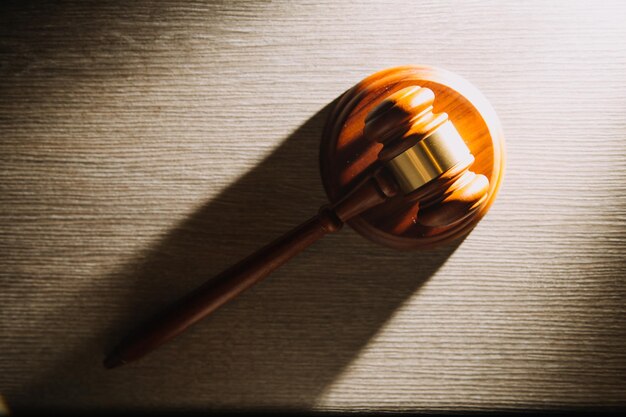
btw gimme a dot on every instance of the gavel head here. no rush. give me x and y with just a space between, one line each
427 156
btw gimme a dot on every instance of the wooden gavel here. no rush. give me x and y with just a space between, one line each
423 161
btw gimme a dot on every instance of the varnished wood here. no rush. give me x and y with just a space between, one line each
347 155
220 289
233 281
404 119
448 206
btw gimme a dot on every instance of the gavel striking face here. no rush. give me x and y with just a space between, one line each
423 163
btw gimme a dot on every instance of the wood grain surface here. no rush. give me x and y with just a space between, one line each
145 146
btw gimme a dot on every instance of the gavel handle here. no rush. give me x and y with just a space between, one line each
241 276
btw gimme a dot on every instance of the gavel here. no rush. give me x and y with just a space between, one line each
422 165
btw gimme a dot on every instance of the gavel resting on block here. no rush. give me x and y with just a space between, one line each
411 157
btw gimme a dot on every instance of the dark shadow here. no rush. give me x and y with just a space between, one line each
282 342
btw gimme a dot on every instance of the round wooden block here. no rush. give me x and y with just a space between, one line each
346 156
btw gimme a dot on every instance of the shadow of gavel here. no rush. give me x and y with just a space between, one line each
423 161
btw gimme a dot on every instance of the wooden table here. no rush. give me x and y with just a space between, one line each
146 146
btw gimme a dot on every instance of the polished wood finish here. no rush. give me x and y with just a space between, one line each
241 276
401 121
347 155
450 205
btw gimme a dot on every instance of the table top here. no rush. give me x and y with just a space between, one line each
145 147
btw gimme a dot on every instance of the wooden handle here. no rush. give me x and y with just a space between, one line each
241 276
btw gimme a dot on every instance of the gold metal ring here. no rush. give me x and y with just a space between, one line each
429 158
